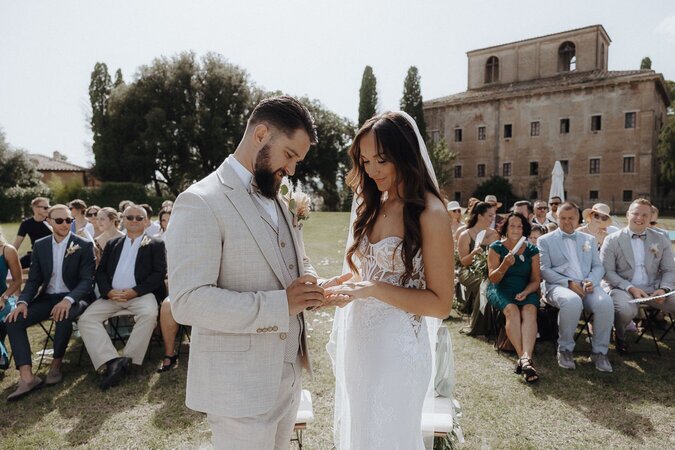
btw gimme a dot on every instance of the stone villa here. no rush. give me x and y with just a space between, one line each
533 102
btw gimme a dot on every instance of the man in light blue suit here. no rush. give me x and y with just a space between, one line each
572 271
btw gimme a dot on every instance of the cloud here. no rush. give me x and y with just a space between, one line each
666 29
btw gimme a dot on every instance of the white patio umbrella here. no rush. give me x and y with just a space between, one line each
557 182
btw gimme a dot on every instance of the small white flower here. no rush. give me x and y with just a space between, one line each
72 248
145 241
654 248
299 203
586 247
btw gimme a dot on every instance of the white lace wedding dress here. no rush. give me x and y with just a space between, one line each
387 359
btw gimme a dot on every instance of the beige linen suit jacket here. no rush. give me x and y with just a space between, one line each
226 281
617 256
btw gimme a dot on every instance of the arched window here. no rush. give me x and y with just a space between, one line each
492 70
567 57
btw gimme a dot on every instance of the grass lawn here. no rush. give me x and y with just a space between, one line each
632 407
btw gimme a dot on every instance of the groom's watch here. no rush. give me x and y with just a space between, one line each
666 290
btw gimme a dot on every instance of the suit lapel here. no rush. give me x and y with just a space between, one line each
243 203
49 261
627 248
649 256
561 246
294 235
65 264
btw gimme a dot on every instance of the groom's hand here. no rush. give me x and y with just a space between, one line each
336 281
303 293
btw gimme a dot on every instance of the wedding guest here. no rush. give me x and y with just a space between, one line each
638 263
455 213
9 263
80 225
572 271
553 203
35 227
536 232
167 204
152 228
473 201
91 215
551 227
655 224
597 220
524 207
60 282
514 289
108 221
540 213
130 278
163 220
120 209
497 220
480 219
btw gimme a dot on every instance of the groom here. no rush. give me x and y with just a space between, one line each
239 276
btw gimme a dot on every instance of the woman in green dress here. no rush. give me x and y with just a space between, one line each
479 221
514 288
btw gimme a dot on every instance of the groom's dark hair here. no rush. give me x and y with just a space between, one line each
286 114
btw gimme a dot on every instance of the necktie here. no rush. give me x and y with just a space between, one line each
642 236
572 236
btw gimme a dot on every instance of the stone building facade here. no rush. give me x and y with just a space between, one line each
533 102
57 170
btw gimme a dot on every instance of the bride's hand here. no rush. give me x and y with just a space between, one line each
359 289
336 281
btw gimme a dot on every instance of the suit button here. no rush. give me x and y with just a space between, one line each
259 330
291 266
283 244
275 328
282 336
266 330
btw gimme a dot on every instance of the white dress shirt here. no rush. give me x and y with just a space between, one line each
574 266
640 277
153 229
246 177
124 277
56 284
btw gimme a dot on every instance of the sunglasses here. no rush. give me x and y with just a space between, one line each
42 207
59 221
554 203
652 223
542 208
598 216
94 214
137 218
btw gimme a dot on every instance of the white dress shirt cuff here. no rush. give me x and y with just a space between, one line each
69 299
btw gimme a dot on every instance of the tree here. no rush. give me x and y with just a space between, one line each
367 96
119 80
496 185
646 63
666 156
411 102
441 160
19 181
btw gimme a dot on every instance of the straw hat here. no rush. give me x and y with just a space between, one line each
453 205
492 199
599 208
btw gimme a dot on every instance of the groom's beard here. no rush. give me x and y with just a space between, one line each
268 180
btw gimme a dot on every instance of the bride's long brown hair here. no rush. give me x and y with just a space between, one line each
397 143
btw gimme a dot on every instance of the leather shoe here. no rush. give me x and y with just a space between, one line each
117 370
54 376
621 346
24 388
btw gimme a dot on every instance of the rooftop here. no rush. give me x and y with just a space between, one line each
45 163
564 81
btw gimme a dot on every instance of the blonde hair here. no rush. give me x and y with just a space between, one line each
111 214
38 200
55 207
641 202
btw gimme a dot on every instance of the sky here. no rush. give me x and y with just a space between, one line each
317 48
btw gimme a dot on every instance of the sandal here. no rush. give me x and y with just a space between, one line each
518 369
529 372
173 361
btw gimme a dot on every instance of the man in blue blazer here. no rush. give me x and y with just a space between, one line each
572 271
60 283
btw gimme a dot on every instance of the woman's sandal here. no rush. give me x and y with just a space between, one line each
529 372
518 369
166 367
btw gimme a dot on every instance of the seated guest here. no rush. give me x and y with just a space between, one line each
536 232
514 289
597 220
572 271
553 203
120 209
9 263
455 213
473 201
60 282
108 221
655 224
496 219
524 207
540 213
92 217
163 220
638 263
80 225
151 228
551 227
130 278
481 216
35 227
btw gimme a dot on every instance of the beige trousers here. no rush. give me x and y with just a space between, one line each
268 431
96 339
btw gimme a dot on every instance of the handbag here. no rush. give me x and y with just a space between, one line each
502 343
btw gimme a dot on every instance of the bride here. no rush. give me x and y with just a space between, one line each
400 251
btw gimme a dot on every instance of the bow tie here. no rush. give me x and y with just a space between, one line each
572 236
642 236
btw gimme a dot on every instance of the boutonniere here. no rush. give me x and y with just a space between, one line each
586 247
72 248
299 204
145 241
654 249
